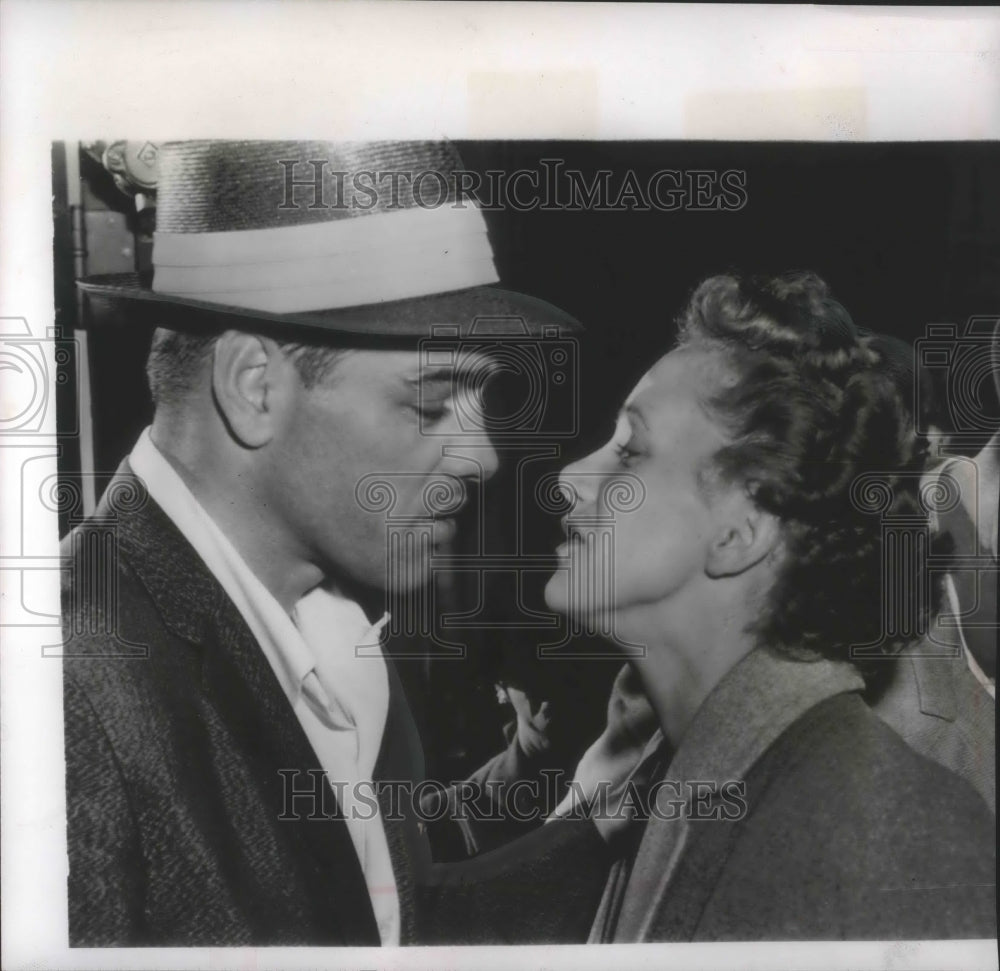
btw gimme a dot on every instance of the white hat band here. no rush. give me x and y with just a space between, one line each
343 263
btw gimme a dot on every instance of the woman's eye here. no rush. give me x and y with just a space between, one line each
625 454
623 440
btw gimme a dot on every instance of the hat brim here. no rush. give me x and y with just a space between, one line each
477 311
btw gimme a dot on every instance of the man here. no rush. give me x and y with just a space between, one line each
972 524
228 711
939 692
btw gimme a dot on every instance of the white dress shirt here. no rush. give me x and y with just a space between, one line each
327 659
956 608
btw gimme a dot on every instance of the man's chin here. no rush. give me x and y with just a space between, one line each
556 592
443 532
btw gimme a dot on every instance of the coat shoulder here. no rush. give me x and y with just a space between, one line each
846 757
850 833
934 702
118 650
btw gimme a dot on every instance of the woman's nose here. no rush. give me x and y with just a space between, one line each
579 482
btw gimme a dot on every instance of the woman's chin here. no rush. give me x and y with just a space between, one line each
564 598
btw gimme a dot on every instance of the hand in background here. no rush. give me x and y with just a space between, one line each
533 719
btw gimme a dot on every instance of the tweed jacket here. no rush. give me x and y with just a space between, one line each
181 753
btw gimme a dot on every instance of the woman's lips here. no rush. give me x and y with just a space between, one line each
573 538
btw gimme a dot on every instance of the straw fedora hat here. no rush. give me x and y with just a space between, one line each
363 239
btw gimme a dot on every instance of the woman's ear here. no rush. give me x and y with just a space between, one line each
248 384
746 535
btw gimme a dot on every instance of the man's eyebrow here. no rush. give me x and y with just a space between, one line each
482 371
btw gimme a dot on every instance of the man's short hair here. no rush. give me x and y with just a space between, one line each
176 357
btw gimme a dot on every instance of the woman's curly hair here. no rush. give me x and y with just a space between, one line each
810 406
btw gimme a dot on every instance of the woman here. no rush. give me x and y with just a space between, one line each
745 564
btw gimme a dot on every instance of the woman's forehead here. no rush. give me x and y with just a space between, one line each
667 401
678 374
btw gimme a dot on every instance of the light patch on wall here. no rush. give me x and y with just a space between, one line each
533 104
828 114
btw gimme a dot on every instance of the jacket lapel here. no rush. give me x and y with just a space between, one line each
401 757
240 685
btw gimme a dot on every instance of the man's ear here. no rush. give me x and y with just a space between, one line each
746 535
249 385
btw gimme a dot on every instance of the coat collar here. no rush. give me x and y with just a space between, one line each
753 704
756 701
186 595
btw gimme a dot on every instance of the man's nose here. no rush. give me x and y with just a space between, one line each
472 456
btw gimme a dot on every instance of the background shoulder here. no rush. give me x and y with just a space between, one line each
849 786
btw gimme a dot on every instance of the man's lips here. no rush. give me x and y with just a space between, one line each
571 529
445 527
449 514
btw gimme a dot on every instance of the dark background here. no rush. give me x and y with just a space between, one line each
905 234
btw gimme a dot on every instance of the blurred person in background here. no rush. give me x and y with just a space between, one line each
938 693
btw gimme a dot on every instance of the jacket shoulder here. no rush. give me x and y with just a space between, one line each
850 833
118 649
